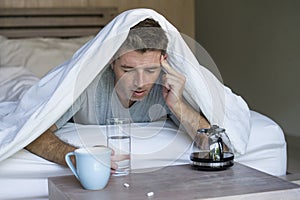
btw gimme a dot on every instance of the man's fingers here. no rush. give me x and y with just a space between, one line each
120 157
117 158
114 165
168 69
166 66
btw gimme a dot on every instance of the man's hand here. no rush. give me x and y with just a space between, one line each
115 159
173 83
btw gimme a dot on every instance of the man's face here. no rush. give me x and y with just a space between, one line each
135 75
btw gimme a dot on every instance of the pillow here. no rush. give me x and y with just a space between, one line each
39 55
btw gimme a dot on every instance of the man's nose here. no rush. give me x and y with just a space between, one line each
139 79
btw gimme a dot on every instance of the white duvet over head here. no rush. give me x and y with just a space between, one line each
47 100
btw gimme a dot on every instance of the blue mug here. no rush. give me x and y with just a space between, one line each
92 166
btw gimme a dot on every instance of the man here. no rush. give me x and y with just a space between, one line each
138 83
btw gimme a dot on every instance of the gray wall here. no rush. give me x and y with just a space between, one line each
256 46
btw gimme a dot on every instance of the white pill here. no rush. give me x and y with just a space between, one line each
126 185
150 194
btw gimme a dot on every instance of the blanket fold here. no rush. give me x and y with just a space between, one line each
47 100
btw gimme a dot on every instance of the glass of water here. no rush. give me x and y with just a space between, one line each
118 133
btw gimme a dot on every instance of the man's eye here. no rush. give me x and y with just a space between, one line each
151 70
127 70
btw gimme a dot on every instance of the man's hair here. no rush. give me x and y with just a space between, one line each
147 35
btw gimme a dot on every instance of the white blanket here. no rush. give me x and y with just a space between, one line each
41 106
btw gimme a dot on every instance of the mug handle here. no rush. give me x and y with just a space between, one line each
70 164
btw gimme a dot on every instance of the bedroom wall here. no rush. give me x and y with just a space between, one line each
179 12
256 46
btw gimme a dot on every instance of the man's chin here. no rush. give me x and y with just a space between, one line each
137 98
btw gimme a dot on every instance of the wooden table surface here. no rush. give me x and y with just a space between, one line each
176 182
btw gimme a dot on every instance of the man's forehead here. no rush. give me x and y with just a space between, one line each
138 58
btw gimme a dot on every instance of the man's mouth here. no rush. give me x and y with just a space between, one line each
138 93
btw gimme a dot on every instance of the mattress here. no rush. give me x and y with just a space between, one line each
24 175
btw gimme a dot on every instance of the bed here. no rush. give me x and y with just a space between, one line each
33 41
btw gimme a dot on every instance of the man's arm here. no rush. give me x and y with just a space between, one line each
191 119
50 147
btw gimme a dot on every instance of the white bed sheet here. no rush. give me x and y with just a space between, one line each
24 175
266 148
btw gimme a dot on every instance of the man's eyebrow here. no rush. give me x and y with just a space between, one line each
126 66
